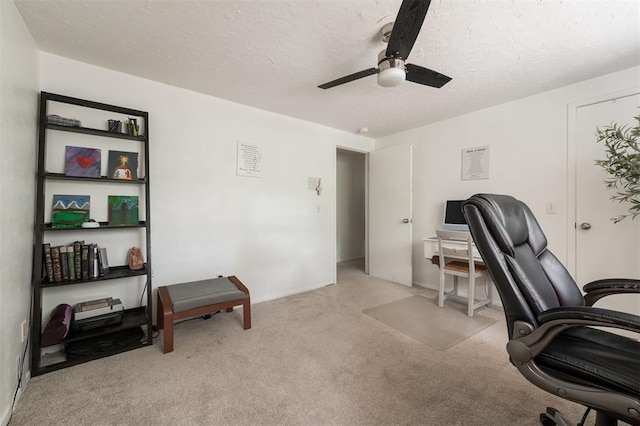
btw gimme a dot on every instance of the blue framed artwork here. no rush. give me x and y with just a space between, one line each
70 211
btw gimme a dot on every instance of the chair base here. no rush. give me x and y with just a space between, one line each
553 417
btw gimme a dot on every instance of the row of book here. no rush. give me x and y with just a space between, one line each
74 262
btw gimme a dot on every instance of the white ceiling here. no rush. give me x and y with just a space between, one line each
272 54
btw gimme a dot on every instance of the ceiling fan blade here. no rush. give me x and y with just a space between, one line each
422 75
406 27
348 78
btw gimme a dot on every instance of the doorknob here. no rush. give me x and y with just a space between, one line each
585 225
405 220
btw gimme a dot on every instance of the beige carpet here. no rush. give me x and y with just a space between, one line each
420 318
309 359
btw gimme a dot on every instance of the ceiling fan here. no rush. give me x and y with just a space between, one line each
392 69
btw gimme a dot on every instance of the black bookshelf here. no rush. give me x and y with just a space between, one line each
134 316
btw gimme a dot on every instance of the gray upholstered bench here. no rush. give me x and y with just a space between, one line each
178 301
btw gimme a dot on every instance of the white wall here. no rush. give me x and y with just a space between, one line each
350 204
528 159
18 134
272 232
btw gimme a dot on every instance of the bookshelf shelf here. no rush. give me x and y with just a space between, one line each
115 272
70 290
103 179
47 367
94 132
103 226
131 318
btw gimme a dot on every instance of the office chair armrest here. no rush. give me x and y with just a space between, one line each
596 290
527 342
599 316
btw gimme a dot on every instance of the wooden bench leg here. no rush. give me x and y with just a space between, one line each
168 336
165 318
159 316
246 303
246 312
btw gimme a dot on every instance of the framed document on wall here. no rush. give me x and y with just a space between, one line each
475 163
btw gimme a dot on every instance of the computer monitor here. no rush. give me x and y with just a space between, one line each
453 217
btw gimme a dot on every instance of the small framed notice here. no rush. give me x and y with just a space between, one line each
475 163
249 160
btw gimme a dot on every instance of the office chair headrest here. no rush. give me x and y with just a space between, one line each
510 221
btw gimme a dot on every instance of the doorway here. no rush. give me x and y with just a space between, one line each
351 178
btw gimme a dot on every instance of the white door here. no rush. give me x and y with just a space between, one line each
390 214
603 249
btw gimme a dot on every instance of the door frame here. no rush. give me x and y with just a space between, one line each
572 113
366 205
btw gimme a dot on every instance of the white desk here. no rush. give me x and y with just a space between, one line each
431 247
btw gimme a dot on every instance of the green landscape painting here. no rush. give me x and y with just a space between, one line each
70 211
123 210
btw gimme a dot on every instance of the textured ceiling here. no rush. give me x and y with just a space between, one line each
272 54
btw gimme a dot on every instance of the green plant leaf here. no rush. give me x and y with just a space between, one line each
622 163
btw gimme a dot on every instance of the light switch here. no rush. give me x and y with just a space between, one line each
552 207
312 183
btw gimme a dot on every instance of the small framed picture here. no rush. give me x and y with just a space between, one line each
70 211
123 209
123 165
82 162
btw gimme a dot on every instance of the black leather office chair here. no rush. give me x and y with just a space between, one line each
551 341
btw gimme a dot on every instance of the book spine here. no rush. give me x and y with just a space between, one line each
64 262
56 265
91 260
72 263
96 270
77 251
103 261
48 261
85 262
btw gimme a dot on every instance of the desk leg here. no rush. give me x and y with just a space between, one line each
441 289
472 294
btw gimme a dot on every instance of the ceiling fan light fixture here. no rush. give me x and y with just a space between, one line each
391 77
391 70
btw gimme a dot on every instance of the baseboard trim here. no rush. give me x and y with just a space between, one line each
281 295
6 416
425 285
350 258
